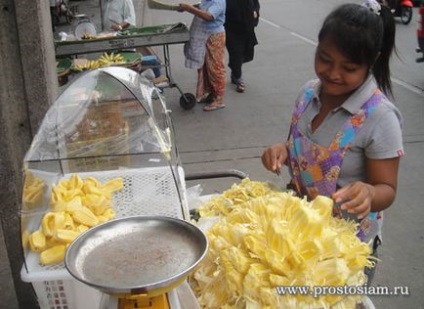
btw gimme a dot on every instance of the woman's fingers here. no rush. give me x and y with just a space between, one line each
273 158
355 199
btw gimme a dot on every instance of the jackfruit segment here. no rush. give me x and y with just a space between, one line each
33 191
76 205
271 239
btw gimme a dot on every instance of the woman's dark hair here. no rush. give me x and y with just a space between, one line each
364 37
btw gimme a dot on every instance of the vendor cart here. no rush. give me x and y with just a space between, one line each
163 35
104 192
105 158
111 128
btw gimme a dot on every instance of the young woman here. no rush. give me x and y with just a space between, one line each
205 51
345 139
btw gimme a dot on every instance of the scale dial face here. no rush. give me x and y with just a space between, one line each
85 29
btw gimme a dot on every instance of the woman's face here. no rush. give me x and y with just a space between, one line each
338 74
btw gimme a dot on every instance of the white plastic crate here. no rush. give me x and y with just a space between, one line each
66 294
147 191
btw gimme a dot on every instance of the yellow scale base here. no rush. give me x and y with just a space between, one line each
144 301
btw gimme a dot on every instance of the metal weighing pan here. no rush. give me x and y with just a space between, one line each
136 255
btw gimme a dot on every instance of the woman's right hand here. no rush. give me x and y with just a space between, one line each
274 157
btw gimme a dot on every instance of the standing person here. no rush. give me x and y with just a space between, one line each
118 15
345 139
241 18
205 51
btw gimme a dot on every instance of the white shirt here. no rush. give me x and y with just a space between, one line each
116 12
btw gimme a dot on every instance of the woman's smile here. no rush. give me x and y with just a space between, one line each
338 74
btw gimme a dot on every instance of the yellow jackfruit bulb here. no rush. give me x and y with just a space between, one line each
333 272
57 193
33 197
65 236
63 184
256 277
85 216
37 241
113 185
75 182
89 188
72 193
324 206
109 214
256 244
53 255
59 220
277 262
51 242
102 219
242 263
311 249
59 205
305 223
74 205
47 224
278 280
91 181
81 228
233 277
69 222
97 203
30 193
277 236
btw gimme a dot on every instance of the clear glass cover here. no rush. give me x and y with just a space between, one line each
109 123
102 118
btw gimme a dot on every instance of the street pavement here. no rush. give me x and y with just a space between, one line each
234 137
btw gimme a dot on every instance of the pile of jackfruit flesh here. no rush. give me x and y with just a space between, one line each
266 239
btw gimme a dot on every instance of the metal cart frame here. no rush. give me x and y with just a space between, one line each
171 34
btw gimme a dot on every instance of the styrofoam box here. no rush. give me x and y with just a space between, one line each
146 191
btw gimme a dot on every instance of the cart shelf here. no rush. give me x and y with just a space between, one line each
163 35
138 37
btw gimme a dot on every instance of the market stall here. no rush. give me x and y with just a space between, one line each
105 150
163 35
105 217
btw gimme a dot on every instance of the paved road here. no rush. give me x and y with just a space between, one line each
236 136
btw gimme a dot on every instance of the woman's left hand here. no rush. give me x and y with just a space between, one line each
356 198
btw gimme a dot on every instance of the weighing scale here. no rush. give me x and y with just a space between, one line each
110 123
137 262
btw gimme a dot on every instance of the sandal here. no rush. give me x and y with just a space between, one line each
213 106
241 87
206 99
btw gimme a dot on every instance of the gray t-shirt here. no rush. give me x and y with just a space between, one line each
380 136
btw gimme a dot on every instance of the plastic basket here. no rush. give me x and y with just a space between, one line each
147 191
66 294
